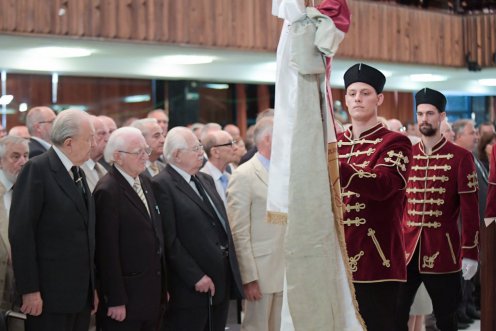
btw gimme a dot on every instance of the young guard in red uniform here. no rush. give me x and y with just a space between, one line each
374 167
442 191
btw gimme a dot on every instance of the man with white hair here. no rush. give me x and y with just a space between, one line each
129 238
203 269
13 156
92 168
154 137
52 230
220 148
162 119
39 122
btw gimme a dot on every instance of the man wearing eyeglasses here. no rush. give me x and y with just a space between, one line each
39 122
203 268
220 148
129 238
154 137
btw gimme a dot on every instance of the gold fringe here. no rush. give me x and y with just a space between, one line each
337 209
274 217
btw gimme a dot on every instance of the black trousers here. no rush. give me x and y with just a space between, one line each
444 291
377 303
59 322
196 318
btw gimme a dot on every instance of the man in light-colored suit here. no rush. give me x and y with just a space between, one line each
259 244
13 155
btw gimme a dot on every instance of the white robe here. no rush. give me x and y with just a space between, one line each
317 293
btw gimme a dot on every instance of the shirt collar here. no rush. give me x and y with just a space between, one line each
65 160
184 174
5 181
265 161
126 176
90 164
44 143
214 171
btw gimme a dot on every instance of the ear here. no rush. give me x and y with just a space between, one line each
175 155
68 143
380 99
442 116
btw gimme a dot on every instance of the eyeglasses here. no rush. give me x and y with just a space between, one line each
46 122
195 148
231 144
140 152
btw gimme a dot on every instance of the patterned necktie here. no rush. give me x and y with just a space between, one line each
154 168
139 191
78 180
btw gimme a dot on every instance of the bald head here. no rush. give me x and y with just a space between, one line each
39 122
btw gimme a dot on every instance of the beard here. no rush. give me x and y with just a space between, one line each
427 130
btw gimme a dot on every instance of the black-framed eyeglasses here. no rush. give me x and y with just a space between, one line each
140 152
232 143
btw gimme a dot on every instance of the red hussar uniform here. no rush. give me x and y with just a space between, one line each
374 171
442 187
491 193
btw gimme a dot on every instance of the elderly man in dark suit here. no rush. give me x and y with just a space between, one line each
129 238
198 243
52 230
39 122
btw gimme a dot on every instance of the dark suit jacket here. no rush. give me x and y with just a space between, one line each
35 148
52 234
129 248
191 240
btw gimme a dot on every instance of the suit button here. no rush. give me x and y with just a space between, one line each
213 224
158 273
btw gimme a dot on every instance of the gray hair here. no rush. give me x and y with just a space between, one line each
269 112
6 141
142 124
118 141
263 128
209 141
207 128
459 126
175 139
34 116
67 125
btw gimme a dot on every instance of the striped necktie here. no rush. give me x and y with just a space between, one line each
139 191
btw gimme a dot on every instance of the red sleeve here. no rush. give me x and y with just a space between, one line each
469 206
491 193
388 176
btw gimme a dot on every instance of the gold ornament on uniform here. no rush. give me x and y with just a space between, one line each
353 261
429 261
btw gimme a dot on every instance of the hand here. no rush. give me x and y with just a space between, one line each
469 268
117 313
252 291
95 303
204 285
32 304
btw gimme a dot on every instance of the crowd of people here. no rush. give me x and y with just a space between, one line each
155 229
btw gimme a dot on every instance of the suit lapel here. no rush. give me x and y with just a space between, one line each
212 192
130 193
66 183
188 190
260 170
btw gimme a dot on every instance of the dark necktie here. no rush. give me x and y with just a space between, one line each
206 200
78 180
